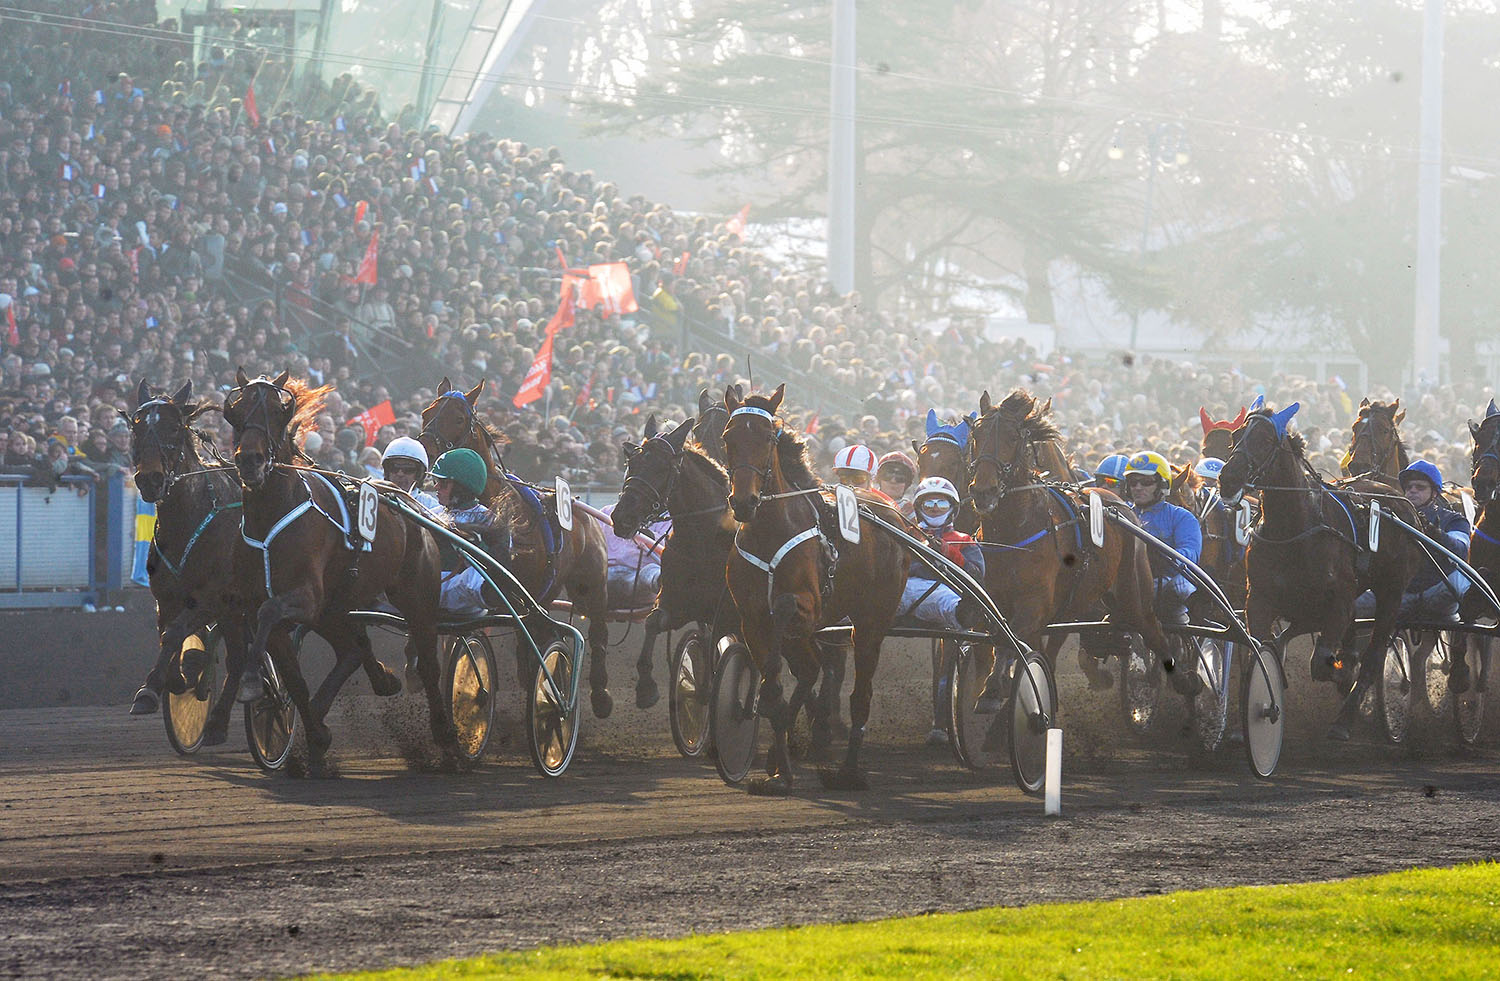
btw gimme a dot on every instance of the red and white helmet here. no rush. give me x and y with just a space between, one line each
857 457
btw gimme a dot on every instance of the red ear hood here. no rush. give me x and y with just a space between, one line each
1239 420
1208 424
1229 425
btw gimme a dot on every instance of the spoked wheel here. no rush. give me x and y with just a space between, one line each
1468 706
469 687
271 725
1394 693
552 716
186 715
1140 685
978 741
1032 711
733 723
1211 704
1263 705
692 689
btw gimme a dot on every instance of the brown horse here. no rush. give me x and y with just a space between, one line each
1049 568
301 560
578 563
1218 437
787 583
1307 562
708 429
665 474
1375 446
1484 544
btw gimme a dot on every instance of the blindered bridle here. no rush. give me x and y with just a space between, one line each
657 498
276 437
440 442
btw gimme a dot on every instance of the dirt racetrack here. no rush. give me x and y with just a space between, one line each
119 859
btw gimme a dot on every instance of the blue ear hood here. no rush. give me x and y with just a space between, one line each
933 425
1282 418
1258 404
957 434
1493 410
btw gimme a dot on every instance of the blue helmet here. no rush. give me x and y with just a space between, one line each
1422 470
1112 467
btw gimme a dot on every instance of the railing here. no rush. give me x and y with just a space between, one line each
50 540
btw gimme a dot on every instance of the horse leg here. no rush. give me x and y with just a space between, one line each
1371 661
296 606
646 692
598 638
866 660
422 644
773 704
173 633
383 681
942 663
236 654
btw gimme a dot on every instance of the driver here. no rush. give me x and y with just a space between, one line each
460 477
1147 478
404 463
894 474
854 466
1107 475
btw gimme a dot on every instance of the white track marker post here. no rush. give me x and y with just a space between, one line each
1053 781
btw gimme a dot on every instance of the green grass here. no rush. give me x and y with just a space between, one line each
1427 922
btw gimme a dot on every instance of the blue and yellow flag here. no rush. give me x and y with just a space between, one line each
145 528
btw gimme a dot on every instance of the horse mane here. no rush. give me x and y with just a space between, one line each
307 404
499 439
791 451
1032 413
711 468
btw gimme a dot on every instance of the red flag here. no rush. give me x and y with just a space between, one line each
680 266
564 315
372 419
586 391
366 273
12 335
812 424
609 286
540 372
252 111
562 260
736 225
359 211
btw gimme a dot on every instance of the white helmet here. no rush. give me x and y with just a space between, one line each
933 516
406 448
857 457
936 485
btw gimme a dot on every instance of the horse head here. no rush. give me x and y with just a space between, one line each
161 439
449 421
945 451
999 444
750 447
1375 441
1485 458
1218 436
651 470
261 411
1263 449
708 430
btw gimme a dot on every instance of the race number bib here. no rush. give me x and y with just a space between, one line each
1096 518
1470 511
369 511
1243 516
848 506
564 505
1374 526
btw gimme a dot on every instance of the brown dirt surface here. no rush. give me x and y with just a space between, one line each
120 859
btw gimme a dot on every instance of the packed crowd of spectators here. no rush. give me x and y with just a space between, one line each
153 225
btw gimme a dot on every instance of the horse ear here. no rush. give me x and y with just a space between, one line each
1473 429
1400 414
1239 420
731 398
1284 417
1046 407
143 394
984 402
1364 403
678 436
932 422
1204 420
472 395
445 385
184 393
1258 404
280 380
777 396
705 402
239 377
651 425
630 449
964 429
917 447
1493 410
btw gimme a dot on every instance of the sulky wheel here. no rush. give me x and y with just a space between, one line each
271 724
186 715
1032 711
1394 691
1468 706
469 688
1211 703
978 741
1263 704
692 689
733 723
552 716
1140 684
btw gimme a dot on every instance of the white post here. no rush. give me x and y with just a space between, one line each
841 150
1429 199
1052 785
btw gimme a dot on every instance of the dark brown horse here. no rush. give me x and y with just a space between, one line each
1222 557
787 585
1308 562
301 563
1375 446
665 474
1218 436
1040 564
579 562
1484 544
708 429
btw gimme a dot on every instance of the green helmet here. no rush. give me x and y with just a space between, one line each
464 466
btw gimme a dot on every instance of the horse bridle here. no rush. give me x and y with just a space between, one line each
438 440
171 454
1490 452
657 508
276 440
1004 471
1377 457
773 438
1252 479
703 425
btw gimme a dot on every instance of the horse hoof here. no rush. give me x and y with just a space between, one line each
646 693
988 704
1100 680
216 735
386 684
843 779
1338 732
146 702
769 787
1321 667
1458 677
252 689
604 702
937 737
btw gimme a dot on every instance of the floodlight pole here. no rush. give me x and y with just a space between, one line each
1430 201
841 189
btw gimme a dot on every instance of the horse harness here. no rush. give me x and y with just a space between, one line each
342 522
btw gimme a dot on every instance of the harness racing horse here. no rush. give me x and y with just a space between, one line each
667 475
576 561
1218 437
708 430
1049 569
788 580
300 558
197 526
1484 544
1375 446
1222 557
1307 563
